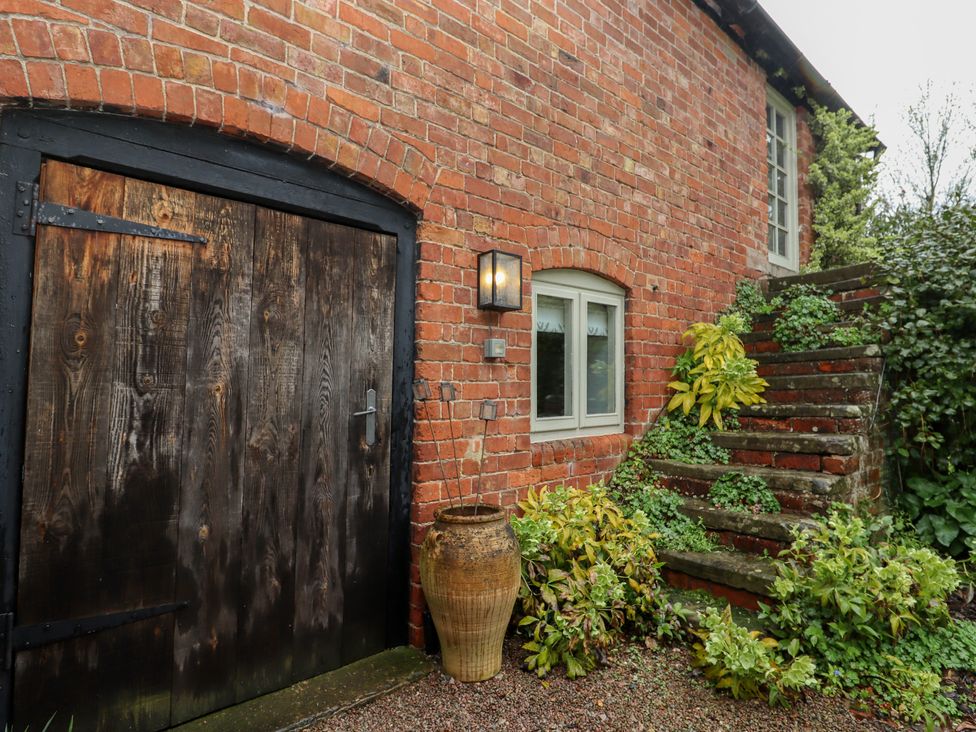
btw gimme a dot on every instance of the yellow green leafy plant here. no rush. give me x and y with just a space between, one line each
714 375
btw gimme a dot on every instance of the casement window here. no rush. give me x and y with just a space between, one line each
577 355
782 235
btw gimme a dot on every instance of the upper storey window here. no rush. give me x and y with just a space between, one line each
782 237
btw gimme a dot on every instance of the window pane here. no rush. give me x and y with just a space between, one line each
780 126
771 238
782 242
770 178
554 351
600 361
781 213
780 154
771 214
781 184
769 147
769 117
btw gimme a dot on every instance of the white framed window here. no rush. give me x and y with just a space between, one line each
782 230
577 355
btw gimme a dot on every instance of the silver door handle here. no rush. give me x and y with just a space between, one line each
370 414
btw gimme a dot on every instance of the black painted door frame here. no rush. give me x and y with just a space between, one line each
201 160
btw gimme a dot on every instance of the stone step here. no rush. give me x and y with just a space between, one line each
822 355
835 453
732 570
806 443
747 531
804 492
837 279
830 418
829 388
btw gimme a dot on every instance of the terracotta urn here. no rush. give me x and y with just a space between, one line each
469 569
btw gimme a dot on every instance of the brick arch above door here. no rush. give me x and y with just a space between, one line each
338 130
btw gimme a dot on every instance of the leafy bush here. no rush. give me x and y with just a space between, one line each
716 376
746 663
679 439
943 510
672 529
588 574
803 323
930 313
738 492
843 175
850 593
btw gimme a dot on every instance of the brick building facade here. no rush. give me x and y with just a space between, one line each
622 139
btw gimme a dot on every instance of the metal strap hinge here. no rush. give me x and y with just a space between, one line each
25 208
70 217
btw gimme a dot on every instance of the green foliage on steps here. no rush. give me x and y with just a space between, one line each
748 664
747 493
750 301
714 376
803 324
672 529
681 440
589 574
870 606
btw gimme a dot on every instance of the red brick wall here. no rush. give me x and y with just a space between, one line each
626 139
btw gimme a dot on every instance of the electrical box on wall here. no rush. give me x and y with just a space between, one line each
495 348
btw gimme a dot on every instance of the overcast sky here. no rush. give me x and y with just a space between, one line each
877 54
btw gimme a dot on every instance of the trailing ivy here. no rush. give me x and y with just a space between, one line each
680 439
747 493
750 302
843 175
930 313
672 528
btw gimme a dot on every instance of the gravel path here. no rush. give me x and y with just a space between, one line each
640 690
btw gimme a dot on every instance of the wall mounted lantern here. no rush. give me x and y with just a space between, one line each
499 281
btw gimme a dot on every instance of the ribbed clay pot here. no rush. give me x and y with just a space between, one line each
469 569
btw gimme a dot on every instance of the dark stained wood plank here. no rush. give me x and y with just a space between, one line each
71 355
330 344
368 498
139 527
272 487
209 571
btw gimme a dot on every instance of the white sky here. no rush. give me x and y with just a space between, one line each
878 53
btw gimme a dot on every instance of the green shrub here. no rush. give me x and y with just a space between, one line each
930 314
738 492
746 663
681 440
843 175
851 593
943 509
672 529
589 573
716 376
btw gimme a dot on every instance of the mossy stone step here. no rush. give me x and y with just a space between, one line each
855 381
775 526
778 479
854 305
761 336
810 443
846 353
741 571
838 279
813 411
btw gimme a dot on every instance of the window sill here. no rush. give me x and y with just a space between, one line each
554 435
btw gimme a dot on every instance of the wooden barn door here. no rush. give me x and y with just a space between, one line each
204 514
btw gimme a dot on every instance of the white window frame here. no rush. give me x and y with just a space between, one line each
792 259
580 288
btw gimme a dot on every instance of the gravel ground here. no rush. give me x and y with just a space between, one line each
640 690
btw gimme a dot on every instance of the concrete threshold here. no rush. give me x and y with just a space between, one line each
298 706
